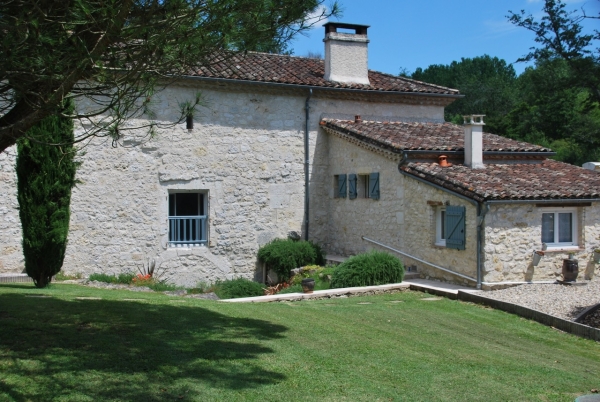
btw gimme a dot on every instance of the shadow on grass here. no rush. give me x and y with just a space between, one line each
102 349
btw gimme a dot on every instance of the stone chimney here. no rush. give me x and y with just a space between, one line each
346 58
473 125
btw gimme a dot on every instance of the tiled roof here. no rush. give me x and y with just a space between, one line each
405 136
547 180
273 68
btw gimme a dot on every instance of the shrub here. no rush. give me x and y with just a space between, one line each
122 278
283 255
291 289
236 288
46 175
369 269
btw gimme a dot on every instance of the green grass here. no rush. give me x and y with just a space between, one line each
72 347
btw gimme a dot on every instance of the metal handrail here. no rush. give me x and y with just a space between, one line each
420 260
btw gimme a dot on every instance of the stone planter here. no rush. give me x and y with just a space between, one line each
596 256
308 285
570 270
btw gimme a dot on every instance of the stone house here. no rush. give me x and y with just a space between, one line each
279 146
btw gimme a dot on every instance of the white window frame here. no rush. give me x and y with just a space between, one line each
440 240
574 244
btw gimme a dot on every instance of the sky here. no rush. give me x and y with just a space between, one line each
418 33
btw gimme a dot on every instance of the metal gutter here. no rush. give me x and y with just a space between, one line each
488 153
306 163
418 259
546 201
298 86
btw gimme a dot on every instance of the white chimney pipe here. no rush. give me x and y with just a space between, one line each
473 125
346 54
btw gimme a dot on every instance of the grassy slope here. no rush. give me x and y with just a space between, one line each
160 348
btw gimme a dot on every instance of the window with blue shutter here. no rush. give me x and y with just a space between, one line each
352 193
341 186
374 186
454 227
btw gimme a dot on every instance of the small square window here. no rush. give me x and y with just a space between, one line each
559 227
362 186
187 218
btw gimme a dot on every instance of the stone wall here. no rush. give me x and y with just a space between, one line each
421 202
246 153
403 218
513 233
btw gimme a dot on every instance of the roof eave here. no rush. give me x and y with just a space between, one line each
320 88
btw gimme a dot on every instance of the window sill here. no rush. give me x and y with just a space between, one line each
566 249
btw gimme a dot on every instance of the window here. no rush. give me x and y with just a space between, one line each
450 227
440 223
559 227
363 186
339 186
187 218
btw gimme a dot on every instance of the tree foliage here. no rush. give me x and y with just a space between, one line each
556 103
560 35
110 54
486 82
46 175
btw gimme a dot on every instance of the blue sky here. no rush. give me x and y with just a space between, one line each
417 33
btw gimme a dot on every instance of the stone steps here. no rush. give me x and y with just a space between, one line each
14 278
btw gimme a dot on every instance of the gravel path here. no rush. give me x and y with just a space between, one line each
564 301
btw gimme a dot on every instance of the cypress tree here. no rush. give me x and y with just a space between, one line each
46 175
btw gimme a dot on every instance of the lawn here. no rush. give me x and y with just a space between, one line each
72 343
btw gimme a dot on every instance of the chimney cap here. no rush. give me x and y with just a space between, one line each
476 119
333 26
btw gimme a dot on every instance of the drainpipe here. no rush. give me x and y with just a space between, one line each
306 164
482 210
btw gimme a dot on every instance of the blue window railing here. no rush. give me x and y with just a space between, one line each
186 230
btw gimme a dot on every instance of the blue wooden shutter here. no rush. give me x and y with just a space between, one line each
455 227
374 186
352 186
341 190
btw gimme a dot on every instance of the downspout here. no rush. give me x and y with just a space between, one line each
482 209
306 163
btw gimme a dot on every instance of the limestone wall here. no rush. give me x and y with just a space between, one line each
11 256
349 220
513 233
421 201
246 153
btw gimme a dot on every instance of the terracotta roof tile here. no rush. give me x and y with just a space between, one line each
547 180
406 136
274 68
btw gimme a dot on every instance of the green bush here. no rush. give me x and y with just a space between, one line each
236 288
122 278
369 269
46 175
291 289
283 255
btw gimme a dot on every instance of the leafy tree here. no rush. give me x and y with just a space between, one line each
46 175
560 34
486 82
113 55
559 98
